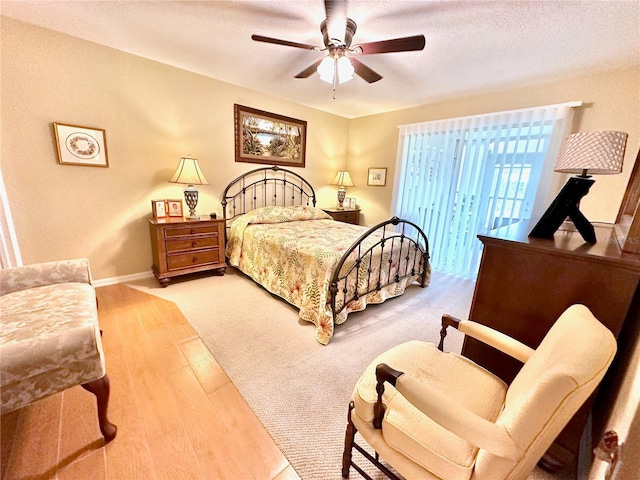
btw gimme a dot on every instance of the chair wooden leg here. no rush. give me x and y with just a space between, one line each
349 438
100 388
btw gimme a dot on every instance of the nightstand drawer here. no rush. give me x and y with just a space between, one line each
346 215
193 259
191 230
192 243
180 247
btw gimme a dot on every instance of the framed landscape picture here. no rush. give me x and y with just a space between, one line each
269 138
81 145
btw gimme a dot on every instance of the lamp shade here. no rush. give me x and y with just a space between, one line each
329 65
343 179
189 172
600 153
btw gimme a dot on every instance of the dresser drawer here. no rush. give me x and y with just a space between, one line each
191 230
192 259
191 243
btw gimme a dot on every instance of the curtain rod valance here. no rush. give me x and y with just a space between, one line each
414 127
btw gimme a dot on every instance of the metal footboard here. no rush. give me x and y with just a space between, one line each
398 247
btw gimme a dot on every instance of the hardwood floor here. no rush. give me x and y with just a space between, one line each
178 414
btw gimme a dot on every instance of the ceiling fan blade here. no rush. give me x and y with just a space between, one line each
405 44
336 11
286 43
310 70
365 72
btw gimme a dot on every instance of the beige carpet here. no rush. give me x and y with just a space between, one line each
298 388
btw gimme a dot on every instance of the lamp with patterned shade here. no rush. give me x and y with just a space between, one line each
189 172
343 179
599 153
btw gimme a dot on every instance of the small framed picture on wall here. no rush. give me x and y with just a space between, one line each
174 208
377 177
159 208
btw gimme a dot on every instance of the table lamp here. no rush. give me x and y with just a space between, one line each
189 172
599 153
343 179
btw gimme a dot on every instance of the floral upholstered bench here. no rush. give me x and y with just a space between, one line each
50 337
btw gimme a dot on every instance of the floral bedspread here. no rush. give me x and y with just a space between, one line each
293 251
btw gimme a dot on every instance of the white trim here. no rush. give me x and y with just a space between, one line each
9 248
122 279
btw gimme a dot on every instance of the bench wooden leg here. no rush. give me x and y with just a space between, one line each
100 388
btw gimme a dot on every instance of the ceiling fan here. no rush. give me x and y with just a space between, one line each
340 63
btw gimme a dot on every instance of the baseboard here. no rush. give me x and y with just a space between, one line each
122 279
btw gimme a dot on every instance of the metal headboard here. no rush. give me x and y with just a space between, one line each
263 187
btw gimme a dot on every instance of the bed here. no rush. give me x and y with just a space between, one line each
327 269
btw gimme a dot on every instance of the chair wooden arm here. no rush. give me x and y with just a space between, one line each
447 321
487 335
384 373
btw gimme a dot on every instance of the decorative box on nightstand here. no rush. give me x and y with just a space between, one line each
347 215
180 247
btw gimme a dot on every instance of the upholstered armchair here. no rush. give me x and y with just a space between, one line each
435 415
50 337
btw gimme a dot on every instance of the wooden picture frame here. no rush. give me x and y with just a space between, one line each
174 208
269 138
159 208
78 145
628 220
377 177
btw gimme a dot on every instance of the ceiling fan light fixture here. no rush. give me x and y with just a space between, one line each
326 69
345 69
330 65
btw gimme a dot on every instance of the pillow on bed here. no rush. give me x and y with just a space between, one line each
284 214
266 215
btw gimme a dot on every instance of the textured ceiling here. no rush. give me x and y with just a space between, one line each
471 46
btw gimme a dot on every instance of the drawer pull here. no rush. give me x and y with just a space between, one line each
194 244
194 259
193 231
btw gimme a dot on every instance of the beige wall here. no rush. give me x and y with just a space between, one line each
612 102
153 114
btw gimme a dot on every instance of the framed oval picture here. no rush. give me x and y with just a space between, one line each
81 145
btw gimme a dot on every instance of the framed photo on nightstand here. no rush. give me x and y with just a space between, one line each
159 208
174 208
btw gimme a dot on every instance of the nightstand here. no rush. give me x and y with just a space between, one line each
347 215
186 246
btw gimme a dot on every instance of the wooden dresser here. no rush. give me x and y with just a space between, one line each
180 247
347 215
525 283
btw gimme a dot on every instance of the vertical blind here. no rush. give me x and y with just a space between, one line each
460 177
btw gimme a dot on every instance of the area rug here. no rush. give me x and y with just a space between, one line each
298 388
